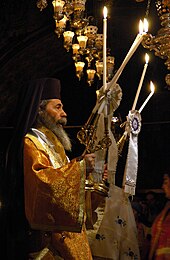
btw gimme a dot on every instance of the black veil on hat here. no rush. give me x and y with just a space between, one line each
15 226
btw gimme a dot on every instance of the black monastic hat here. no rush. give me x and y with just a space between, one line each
51 89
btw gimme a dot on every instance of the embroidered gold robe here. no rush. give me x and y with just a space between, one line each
55 195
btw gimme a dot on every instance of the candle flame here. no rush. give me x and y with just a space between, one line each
152 87
140 27
146 58
105 12
145 25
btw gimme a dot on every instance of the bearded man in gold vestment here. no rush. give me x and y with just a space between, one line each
54 187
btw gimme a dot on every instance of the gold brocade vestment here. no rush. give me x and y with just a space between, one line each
55 196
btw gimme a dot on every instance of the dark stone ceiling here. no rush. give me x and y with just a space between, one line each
29 49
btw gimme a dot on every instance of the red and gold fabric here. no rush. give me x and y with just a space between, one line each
160 243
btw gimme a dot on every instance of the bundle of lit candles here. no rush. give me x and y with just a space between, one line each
143 28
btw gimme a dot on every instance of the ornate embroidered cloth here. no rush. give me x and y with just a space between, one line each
55 194
116 237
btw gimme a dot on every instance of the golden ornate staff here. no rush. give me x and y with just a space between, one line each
95 141
87 136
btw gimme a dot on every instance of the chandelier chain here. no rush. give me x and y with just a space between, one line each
148 8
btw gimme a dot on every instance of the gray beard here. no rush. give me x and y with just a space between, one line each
56 127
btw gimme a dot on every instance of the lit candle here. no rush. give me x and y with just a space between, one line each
152 87
141 81
136 43
104 46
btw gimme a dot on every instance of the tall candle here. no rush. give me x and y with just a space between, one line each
141 81
104 46
136 43
152 87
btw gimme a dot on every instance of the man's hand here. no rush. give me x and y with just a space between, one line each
90 162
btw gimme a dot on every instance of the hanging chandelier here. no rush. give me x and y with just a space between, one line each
81 38
160 43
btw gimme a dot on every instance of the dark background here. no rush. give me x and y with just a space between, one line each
30 49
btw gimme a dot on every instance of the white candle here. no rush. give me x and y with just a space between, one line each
136 43
141 81
104 46
152 87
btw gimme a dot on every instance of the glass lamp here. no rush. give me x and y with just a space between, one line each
99 68
82 40
79 68
91 32
79 5
68 38
90 76
58 9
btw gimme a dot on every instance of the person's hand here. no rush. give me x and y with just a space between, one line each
90 162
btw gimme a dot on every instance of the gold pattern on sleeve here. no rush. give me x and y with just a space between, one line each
58 193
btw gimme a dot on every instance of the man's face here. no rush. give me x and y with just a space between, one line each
166 185
54 108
